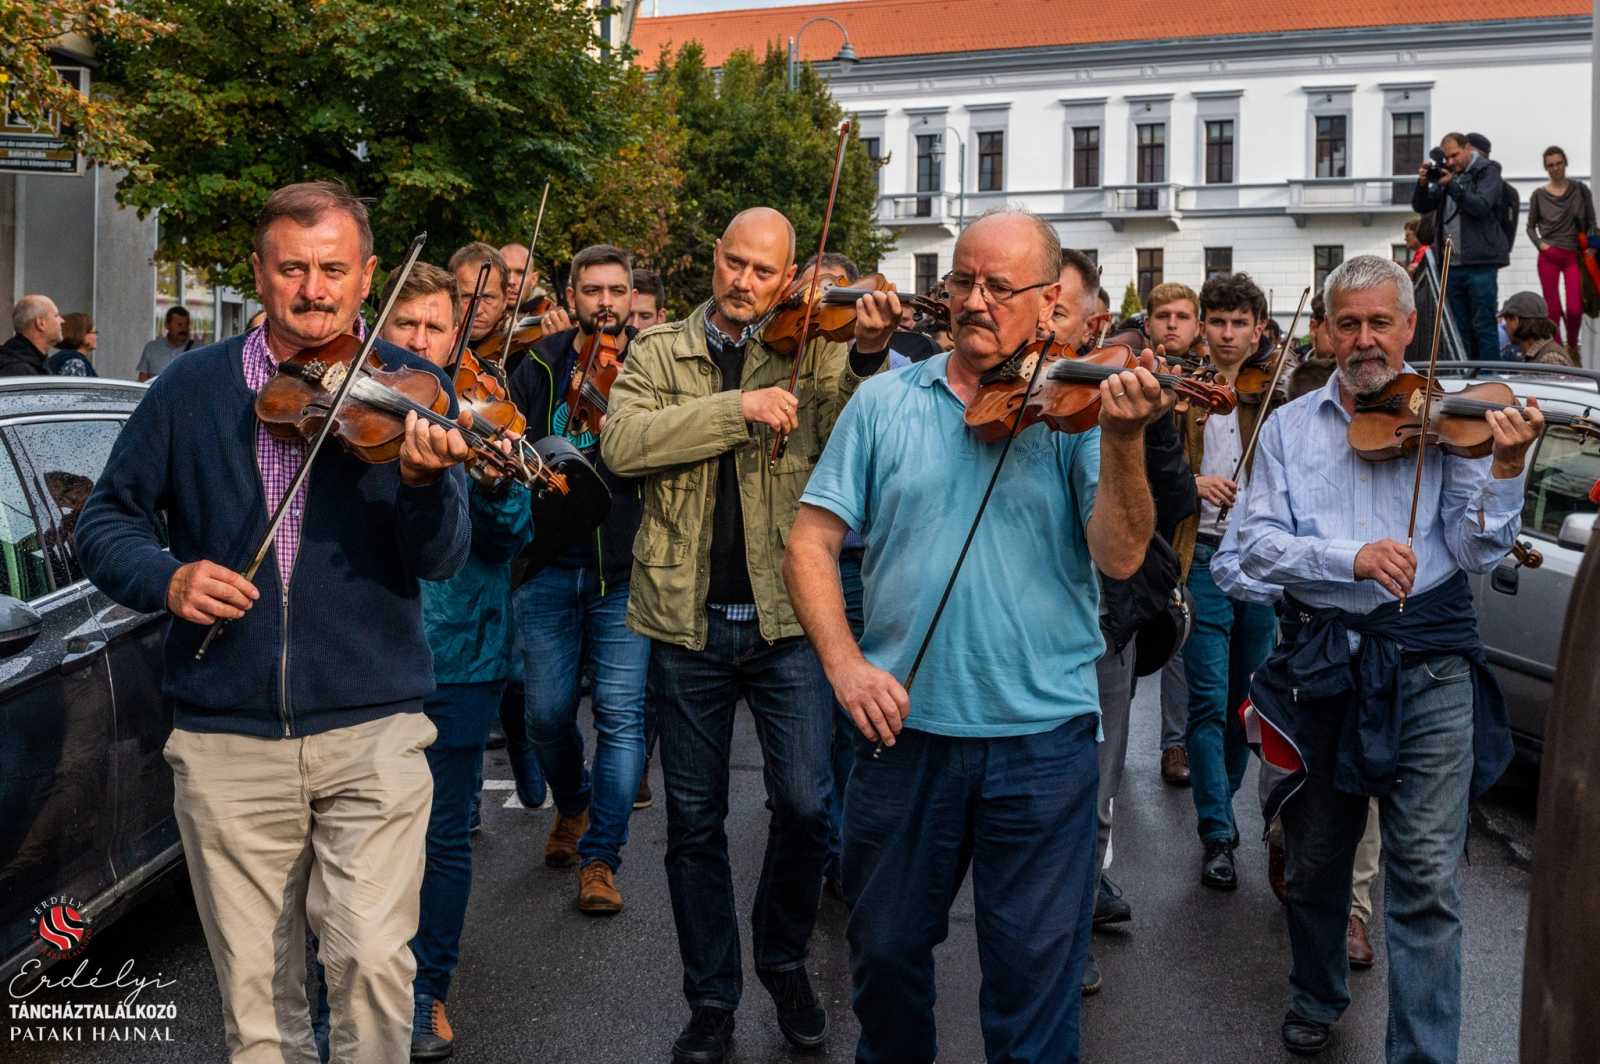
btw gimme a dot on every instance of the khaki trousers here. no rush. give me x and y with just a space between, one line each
1366 866
328 829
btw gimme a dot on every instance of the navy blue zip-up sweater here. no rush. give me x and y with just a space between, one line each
344 644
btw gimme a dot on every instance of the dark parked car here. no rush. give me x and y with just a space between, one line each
85 795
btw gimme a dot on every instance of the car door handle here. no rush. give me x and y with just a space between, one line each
1504 579
79 650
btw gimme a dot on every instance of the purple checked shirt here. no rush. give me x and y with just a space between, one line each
278 460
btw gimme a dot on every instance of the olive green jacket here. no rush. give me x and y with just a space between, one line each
669 423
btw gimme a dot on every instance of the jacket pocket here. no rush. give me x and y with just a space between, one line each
658 545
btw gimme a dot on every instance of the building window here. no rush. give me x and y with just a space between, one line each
1331 146
1086 157
1149 272
927 271
991 161
1407 150
1218 260
1324 258
930 166
1151 163
1219 152
874 146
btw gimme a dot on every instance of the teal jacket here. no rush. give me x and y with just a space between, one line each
468 617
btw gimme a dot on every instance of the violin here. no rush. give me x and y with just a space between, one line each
529 330
1251 384
589 393
1067 397
1390 424
833 311
1525 555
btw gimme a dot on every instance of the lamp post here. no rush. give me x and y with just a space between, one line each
845 55
961 159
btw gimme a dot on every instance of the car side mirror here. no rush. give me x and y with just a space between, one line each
1576 531
20 624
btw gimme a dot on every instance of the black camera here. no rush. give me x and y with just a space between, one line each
1436 170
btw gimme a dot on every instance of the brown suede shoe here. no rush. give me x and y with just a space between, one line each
1357 945
1175 766
597 890
561 848
1277 873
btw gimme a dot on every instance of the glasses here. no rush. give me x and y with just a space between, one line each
994 293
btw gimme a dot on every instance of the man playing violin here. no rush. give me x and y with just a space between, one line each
465 265
991 759
692 414
1379 700
467 619
572 605
301 787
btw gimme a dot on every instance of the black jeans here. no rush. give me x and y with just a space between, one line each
695 693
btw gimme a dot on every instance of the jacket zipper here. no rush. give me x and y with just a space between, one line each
600 561
283 662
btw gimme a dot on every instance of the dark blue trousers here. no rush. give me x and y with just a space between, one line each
1474 303
1021 812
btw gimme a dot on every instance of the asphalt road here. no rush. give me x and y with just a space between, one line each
1197 977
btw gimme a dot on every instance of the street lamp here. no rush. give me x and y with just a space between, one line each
961 156
846 54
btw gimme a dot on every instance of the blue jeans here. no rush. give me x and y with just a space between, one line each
1474 299
562 617
462 714
1021 812
1230 640
1424 825
844 729
792 706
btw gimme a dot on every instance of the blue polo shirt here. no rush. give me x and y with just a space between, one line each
1016 649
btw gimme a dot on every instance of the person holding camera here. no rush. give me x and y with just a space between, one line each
1465 188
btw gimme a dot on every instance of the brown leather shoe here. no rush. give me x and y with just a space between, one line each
1277 871
597 890
561 848
1175 766
1357 945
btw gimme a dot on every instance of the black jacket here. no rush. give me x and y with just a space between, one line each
1475 197
19 358
539 388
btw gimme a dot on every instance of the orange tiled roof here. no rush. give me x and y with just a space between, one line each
881 28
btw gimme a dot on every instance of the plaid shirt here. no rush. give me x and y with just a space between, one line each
278 460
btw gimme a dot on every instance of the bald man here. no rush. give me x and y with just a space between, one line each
515 256
694 414
38 328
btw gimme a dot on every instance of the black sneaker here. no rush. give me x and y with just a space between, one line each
706 1038
1091 976
1216 869
800 1017
1109 906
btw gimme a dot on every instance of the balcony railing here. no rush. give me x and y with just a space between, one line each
919 208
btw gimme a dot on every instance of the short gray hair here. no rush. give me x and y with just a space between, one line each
28 310
1366 272
1051 262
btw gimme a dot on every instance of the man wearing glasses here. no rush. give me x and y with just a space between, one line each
990 760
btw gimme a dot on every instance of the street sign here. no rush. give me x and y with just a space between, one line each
47 149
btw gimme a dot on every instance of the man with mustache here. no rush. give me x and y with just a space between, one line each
693 414
301 787
990 760
1378 701
572 605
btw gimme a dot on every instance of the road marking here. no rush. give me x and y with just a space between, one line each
512 801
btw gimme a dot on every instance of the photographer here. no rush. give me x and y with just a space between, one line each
1466 189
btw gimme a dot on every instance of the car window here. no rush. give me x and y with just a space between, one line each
67 458
24 572
1564 471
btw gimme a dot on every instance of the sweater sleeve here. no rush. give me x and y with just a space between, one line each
433 527
117 535
1533 215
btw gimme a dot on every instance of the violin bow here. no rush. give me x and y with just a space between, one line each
1427 401
522 288
1266 400
781 440
321 437
464 326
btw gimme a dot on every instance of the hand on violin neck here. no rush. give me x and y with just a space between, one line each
777 408
556 320
1129 401
1392 565
1514 432
877 317
1218 491
204 593
430 449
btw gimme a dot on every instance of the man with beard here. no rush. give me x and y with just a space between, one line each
990 760
693 415
572 604
1379 701
301 786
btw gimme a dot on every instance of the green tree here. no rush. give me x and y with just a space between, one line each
1131 303
750 141
447 116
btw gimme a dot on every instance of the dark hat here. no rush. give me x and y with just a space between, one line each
1479 141
1526 305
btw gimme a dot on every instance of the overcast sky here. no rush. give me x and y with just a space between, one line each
685 7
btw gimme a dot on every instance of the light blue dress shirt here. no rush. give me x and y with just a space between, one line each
1312 503
1015 651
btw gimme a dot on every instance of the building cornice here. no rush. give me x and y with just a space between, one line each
1217 94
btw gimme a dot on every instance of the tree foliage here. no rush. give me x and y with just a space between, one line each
98 124
750 142
1131 303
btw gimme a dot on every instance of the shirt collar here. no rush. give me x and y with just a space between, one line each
1330 391
722 339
